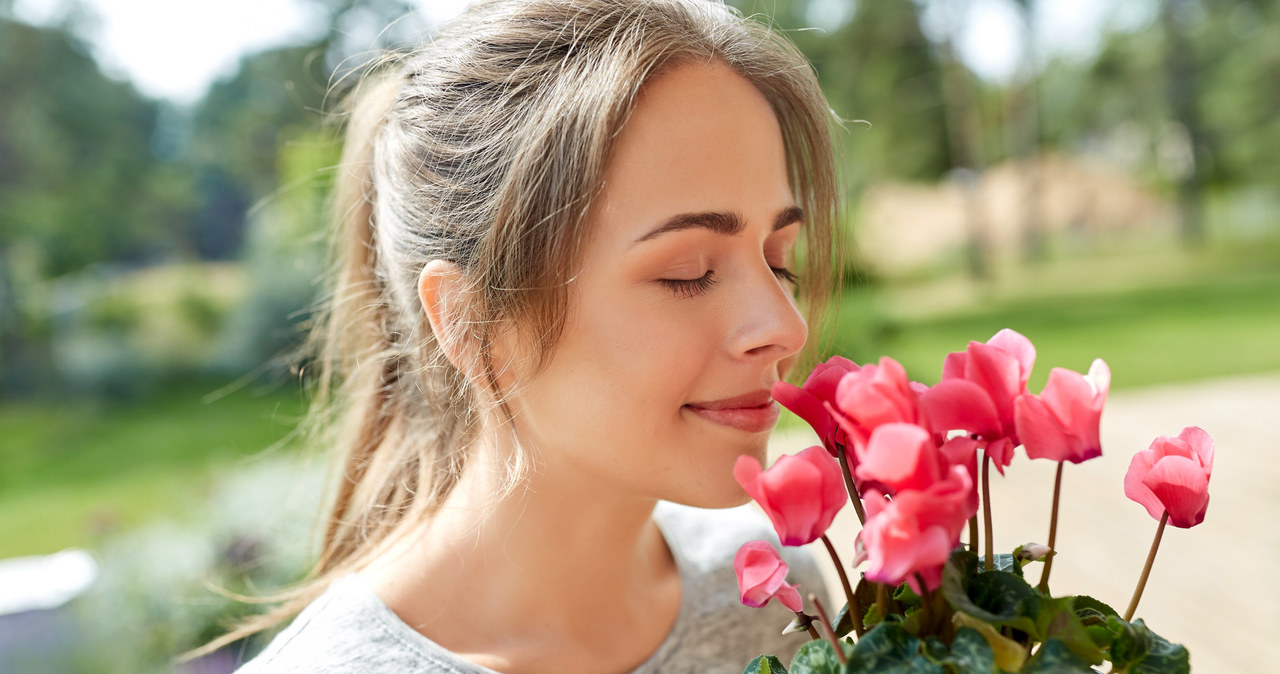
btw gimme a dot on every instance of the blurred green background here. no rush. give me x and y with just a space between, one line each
1098 176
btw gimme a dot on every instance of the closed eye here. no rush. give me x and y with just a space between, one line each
686 288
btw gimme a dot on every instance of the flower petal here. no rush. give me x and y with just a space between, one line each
1136 489
958 404
1182 487
790 597
901 456
1201 444
1018 346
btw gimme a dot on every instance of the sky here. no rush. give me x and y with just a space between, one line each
174 49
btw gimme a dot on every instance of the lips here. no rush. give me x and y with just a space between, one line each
753 412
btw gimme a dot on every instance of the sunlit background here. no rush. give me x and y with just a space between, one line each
1098 175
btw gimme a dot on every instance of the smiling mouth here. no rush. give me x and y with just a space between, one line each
752 413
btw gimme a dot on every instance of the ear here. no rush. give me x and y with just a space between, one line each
442 290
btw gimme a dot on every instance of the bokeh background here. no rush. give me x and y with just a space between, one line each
1100 176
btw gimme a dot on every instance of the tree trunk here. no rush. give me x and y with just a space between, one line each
1180 73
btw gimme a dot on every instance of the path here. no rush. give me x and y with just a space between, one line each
1214 588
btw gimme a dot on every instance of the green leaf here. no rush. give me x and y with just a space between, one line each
996 597
816 657
844 621
907 597
935 650
1057 619
1054 657
865 593
1101 637
765 664
890 649
1084 602
1129 644
970 653
963 563
1007 562
1138 650
1009 654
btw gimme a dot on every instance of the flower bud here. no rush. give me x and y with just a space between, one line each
1032 552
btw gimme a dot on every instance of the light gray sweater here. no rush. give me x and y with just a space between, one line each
348 629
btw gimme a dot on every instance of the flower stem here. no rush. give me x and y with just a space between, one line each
973 534
854 609
849 485
826 622
989 545
1053 530
1146 570
926 601
882 601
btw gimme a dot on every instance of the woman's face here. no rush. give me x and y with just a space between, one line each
682 316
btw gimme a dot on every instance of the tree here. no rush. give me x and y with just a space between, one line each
79 183
876 65
276 96
78 180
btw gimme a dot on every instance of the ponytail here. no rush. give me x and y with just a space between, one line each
359 365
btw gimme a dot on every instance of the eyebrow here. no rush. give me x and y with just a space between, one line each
720 223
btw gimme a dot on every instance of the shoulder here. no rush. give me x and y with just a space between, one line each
347 629
716 632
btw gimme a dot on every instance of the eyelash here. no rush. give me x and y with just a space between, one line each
685 288
690 287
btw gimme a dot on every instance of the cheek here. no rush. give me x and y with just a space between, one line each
620 374
641 356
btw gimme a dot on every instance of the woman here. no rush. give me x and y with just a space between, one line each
567 229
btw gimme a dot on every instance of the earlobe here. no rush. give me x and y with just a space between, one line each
441 288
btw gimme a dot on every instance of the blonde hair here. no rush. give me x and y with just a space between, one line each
485 148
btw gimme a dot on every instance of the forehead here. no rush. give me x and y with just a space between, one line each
700 138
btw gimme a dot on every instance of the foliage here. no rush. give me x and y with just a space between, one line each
1219 305
93 470
163 589
284 261
876 66
78 182
993 620
124 332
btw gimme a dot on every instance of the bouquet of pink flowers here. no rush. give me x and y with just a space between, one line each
915 462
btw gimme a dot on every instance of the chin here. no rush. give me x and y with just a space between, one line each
715 487
713 496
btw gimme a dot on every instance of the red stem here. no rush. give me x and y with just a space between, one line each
1146 570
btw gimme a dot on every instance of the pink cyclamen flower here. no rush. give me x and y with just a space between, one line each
901 456
1173 475
800 493
809 402
762 575
916 531
873 396
960 405
1062 423
1001 368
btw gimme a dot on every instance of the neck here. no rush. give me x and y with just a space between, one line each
560 559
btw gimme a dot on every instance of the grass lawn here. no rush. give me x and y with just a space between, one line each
73 472
1160 318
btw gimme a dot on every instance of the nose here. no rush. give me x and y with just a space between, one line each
767 324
